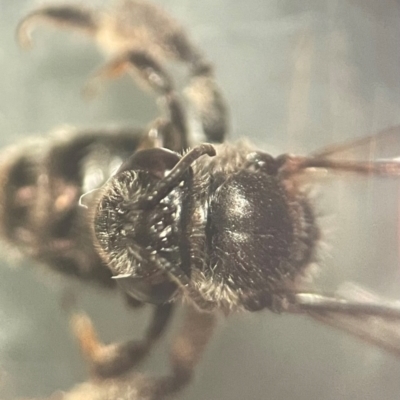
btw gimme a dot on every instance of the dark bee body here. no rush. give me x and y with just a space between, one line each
233 231
235 228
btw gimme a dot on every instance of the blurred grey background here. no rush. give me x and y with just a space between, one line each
297 76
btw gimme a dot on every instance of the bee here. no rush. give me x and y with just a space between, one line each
222 226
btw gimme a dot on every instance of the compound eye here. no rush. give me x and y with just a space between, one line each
148 292
157 161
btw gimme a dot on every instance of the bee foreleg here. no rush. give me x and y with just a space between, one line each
176 175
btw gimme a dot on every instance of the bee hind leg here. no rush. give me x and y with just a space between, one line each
115 359
64 16
187 349
149 74
165 133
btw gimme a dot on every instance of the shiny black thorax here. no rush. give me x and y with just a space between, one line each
257 235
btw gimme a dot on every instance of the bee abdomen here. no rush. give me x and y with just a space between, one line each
41 184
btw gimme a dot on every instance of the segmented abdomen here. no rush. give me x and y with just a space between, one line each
42 181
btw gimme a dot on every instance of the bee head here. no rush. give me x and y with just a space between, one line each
129 233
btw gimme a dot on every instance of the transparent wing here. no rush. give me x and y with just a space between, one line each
357 311
383 145
378 154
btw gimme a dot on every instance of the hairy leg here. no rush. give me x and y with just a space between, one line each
117 358
146 70
186 352
146 29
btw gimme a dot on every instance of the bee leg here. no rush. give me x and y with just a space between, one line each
163 133
149 73
186 352
64 16
173 44
175 272
176 175
209 104
178 275
132 302
112 360
187 349
202 90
